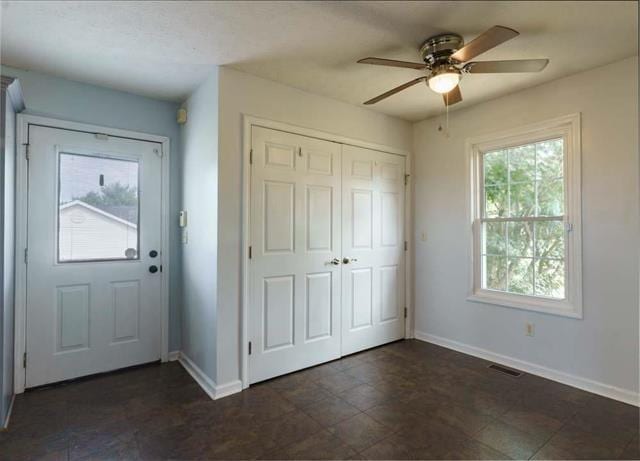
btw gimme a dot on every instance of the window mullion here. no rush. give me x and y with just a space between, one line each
536 213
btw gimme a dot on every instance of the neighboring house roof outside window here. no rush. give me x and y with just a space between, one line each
117 213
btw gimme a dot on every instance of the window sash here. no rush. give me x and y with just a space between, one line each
509 182
533 257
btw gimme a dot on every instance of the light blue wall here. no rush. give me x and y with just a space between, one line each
199 149
79 102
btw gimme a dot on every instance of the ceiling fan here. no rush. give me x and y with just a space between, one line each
444 56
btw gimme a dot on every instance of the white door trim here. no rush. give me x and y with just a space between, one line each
24 120
247 122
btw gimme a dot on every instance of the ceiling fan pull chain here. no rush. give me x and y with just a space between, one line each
446 124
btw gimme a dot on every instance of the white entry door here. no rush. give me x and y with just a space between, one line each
94 262
373 269
294 313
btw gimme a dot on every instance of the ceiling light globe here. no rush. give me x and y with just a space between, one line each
444 82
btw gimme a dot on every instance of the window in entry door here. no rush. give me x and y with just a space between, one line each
98 208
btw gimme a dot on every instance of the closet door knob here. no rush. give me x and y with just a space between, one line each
347 260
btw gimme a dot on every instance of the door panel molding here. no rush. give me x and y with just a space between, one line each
24 122
248 123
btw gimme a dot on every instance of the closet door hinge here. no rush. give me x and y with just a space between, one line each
26 151
250 348
405 312
250 252
24 360
26 255
406 179
250 156
406 245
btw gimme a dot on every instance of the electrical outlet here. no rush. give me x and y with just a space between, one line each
530 329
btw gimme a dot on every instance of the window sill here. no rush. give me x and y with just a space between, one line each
561 308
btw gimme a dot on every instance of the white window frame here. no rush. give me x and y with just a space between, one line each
568 128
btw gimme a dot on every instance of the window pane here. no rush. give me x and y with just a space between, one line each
550 159
549 239
495 273
496 204
522 163
495 167
520 238
521 276
522 198
550 278
98 208
519 256
495 242
551 197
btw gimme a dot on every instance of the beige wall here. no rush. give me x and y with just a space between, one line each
603 346
241 93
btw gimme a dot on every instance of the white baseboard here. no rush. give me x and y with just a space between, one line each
207 384
222 390
6 419
606 390
173 356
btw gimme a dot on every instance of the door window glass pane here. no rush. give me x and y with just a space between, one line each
98 208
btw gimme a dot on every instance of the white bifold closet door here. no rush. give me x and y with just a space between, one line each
327 259
373 248
294 313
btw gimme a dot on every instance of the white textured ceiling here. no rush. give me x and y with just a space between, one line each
165 49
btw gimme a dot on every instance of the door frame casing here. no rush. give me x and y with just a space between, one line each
249 121
22 171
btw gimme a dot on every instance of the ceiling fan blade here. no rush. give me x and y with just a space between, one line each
394 91
452 97
484 42
500 67
393 63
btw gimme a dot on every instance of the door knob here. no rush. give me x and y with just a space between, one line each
347 260
335 262
153 269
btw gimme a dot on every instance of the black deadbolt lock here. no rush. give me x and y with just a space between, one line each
153 269
153 253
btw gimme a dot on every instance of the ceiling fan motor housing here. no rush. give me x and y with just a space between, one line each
436 50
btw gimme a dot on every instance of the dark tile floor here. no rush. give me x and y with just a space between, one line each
406 400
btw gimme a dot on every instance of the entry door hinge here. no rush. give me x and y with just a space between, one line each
250 252
249 347
26 255
24 360
405 312
406 179
250 156
406 245
26 151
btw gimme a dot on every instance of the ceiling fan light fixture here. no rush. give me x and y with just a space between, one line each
444 80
